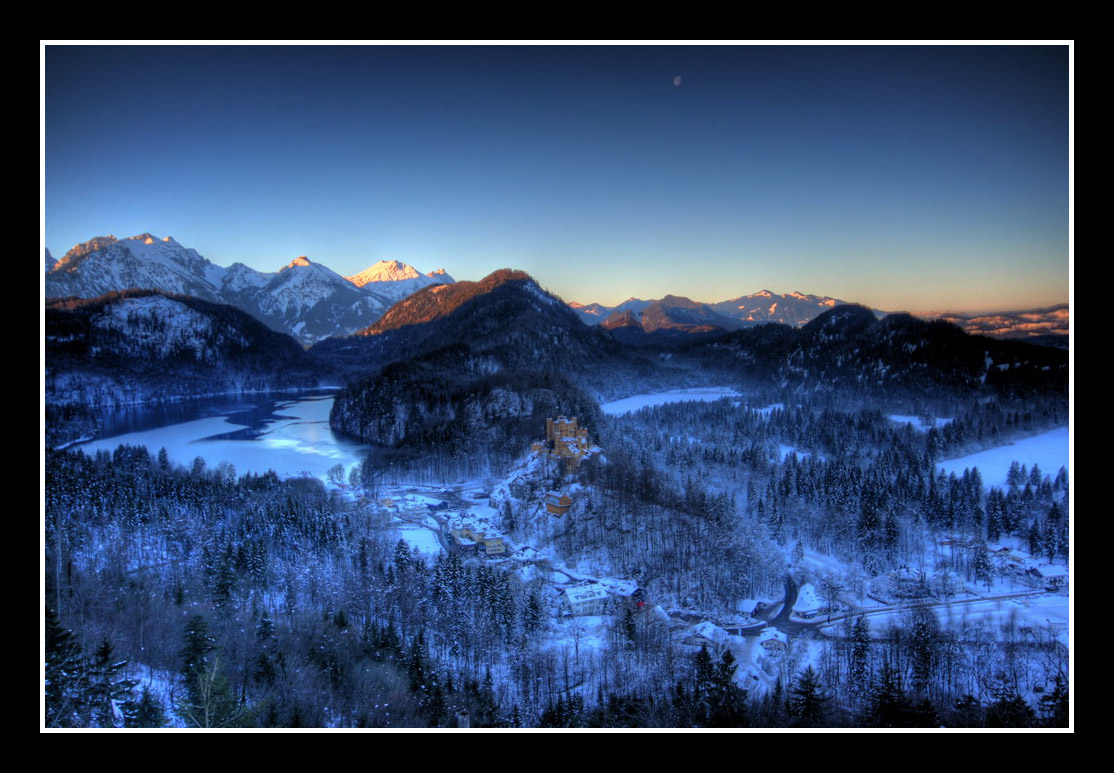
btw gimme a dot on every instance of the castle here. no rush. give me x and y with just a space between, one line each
565 442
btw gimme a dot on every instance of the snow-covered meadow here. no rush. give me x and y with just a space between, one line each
1049 450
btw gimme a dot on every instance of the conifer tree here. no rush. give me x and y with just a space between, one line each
891 706
109 692
1056 706
67 678
210 702
807 702
148 711
195 651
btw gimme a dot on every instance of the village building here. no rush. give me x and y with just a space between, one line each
735 627
707 634
557 503
750 607
808 603
625 592
1051 576
586 599
473 535
773 640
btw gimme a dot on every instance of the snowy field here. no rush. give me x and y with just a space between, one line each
632 404
420 537
1046 615
299 442
1049 450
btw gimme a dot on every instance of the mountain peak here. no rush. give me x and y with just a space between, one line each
386 271
301 260
79 251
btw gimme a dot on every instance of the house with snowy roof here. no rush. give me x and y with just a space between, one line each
473 534
557 503
707 634
773 640
750 607
1052 576
808 603
584 599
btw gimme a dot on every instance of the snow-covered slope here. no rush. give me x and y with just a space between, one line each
793 308
394 280
298 287
157 327
106 264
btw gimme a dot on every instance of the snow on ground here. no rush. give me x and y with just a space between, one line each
420 537
1049 450
631 404
299 442
1043 615
918 423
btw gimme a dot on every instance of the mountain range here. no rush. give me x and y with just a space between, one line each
757 308
303 299
312 303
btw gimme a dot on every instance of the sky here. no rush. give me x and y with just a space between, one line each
903 177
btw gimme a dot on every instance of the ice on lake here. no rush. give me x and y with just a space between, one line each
637 402
294 440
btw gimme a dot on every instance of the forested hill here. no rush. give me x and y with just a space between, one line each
504 321
849 351
450 363
144 345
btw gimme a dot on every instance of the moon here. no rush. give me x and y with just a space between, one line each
677 80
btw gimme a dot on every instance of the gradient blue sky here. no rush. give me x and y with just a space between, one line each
922 177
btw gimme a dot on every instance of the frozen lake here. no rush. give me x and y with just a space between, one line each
631 404
290 436
1049 450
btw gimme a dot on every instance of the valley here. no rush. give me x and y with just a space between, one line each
502 517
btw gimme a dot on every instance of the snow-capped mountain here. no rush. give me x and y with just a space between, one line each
106 264
304 299
396 280
298 287
764 306
795 308
50 260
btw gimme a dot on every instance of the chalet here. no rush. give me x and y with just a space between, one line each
1052 576
773 640
585 599
557 503
625 592
707 634
750 607
808 604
